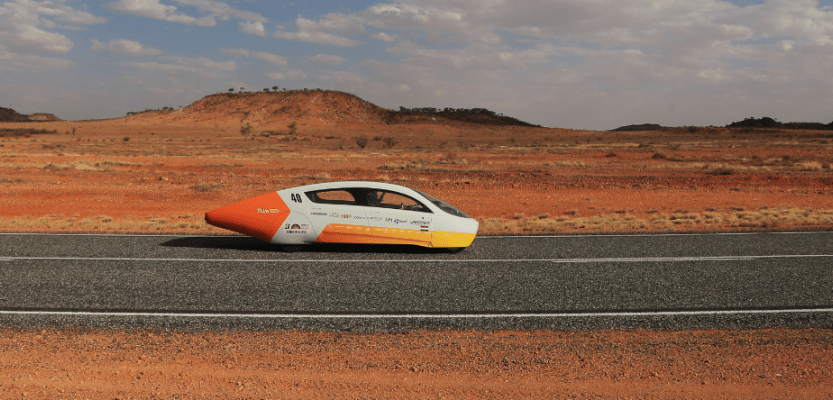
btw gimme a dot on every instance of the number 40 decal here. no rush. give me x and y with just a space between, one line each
296 198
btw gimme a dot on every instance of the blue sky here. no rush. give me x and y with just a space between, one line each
589 64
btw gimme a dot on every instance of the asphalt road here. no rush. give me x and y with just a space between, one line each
564 283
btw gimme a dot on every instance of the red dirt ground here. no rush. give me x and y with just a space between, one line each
764 364
158 172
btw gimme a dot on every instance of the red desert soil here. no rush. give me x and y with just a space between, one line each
160 171
783 364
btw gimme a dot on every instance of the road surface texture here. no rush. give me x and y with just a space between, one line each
660 282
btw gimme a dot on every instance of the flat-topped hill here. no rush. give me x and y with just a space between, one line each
312 108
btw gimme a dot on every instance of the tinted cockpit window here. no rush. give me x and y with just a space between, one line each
335 196
392 200
444 206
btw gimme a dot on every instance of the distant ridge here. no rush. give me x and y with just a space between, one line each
9 115
767 122
322 108
640 127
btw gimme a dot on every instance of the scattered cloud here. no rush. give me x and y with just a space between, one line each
384 37
124 46
317 37
252 28
291 74
214 9
320 31
325 59
32 63
28 26
273 59
156 10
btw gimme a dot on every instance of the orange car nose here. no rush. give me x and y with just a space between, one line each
259 216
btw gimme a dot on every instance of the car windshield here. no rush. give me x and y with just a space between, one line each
443 205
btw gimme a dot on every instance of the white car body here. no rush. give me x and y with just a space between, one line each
349 212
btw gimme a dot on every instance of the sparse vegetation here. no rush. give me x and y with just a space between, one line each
206 187
246 130
24 132
361 141
390 142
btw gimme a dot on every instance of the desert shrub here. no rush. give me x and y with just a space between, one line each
390 141
361 141
246 130
205 187
723 170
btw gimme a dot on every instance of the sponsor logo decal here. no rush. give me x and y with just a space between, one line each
321 214
335 215
268 211
347 216
296 229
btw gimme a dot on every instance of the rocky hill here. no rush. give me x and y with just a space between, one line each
9 115
311 108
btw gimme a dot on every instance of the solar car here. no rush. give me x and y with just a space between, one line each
356 212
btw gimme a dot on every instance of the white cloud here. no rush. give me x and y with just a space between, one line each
319 32
384 37
326 59
273 59
124 46
26 26
288 74
204 63
202 67
236 52
214 9
252 28
222 10
156 10
317 37
32 63
155 66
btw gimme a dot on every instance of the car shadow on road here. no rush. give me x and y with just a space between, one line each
254 244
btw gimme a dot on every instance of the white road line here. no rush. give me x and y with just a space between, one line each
182 235
417 315
437 260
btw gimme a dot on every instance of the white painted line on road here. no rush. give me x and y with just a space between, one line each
439 260
183 235
622 314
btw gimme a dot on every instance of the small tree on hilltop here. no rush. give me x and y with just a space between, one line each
231 90
275 88
242 89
